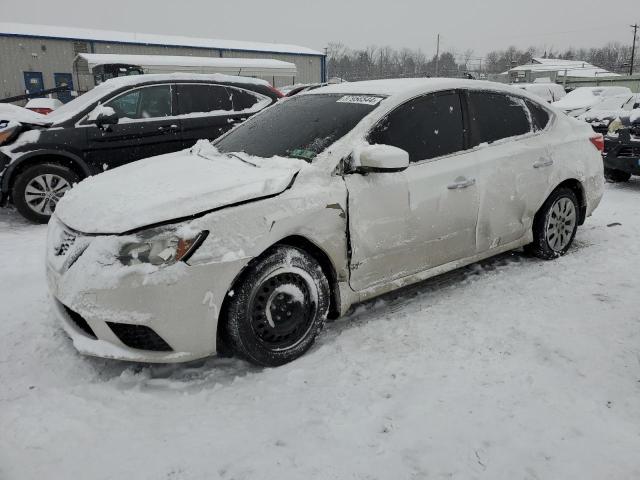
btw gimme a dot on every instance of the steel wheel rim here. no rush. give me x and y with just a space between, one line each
561 223
44 191
282 309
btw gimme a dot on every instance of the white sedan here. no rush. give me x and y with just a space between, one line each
331 198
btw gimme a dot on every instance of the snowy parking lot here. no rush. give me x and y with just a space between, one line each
513 368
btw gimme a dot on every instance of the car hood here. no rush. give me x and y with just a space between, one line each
170 187
570 104
601 115
13 113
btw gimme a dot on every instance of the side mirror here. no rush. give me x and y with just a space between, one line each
380 158
103 116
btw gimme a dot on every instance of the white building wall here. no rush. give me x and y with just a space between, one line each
19 55
49 56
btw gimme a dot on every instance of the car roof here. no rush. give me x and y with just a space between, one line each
407 86
69 111
132 80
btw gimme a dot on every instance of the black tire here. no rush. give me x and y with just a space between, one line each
40 212
278 307
616 176
546 244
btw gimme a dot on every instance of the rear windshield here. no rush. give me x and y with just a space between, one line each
299 127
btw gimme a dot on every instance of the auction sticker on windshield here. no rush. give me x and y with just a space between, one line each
360 99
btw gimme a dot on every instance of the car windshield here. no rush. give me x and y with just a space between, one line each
300 127
612 103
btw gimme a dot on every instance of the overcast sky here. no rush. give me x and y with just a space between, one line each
479 25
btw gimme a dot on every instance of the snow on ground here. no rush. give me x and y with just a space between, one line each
511 369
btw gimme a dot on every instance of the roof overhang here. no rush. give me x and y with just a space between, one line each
249 67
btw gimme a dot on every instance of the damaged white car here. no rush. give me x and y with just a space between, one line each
317 203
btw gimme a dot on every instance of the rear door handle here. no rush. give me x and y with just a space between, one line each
543 162
461 182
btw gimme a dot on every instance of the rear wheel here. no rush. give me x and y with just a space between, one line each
278 307
555 225
37 190
616 176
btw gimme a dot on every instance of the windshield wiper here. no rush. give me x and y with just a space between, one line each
234 155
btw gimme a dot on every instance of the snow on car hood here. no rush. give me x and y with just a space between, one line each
14 113
601 115
171 186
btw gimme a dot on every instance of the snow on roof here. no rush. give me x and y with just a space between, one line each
52 31
574 68
185 61
406 85
170 63
117 82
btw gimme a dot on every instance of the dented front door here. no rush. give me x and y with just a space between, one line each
403 223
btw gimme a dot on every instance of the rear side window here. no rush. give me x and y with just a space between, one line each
539 116
494 116
200 98
427 127
241 99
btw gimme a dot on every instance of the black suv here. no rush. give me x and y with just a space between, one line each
622 149
121 120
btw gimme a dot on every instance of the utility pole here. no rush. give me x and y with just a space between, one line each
438 56
633 49
326 66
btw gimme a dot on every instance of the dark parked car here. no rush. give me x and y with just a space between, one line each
120 121
601 115
622 149
304 88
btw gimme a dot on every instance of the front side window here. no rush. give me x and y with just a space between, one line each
427 127
300 127
147 102
494 116
202 98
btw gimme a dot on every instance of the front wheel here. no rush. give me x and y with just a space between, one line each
278 307
36 190
555 225
616 176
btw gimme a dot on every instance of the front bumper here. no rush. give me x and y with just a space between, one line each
140 313
622 154
4 163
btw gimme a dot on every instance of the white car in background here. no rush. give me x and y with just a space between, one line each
328 199
43 106
582 99
549 92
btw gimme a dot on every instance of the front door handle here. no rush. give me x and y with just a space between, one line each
461 182
168 128
543 162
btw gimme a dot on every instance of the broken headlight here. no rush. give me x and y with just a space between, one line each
161 247
8 131
615 126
